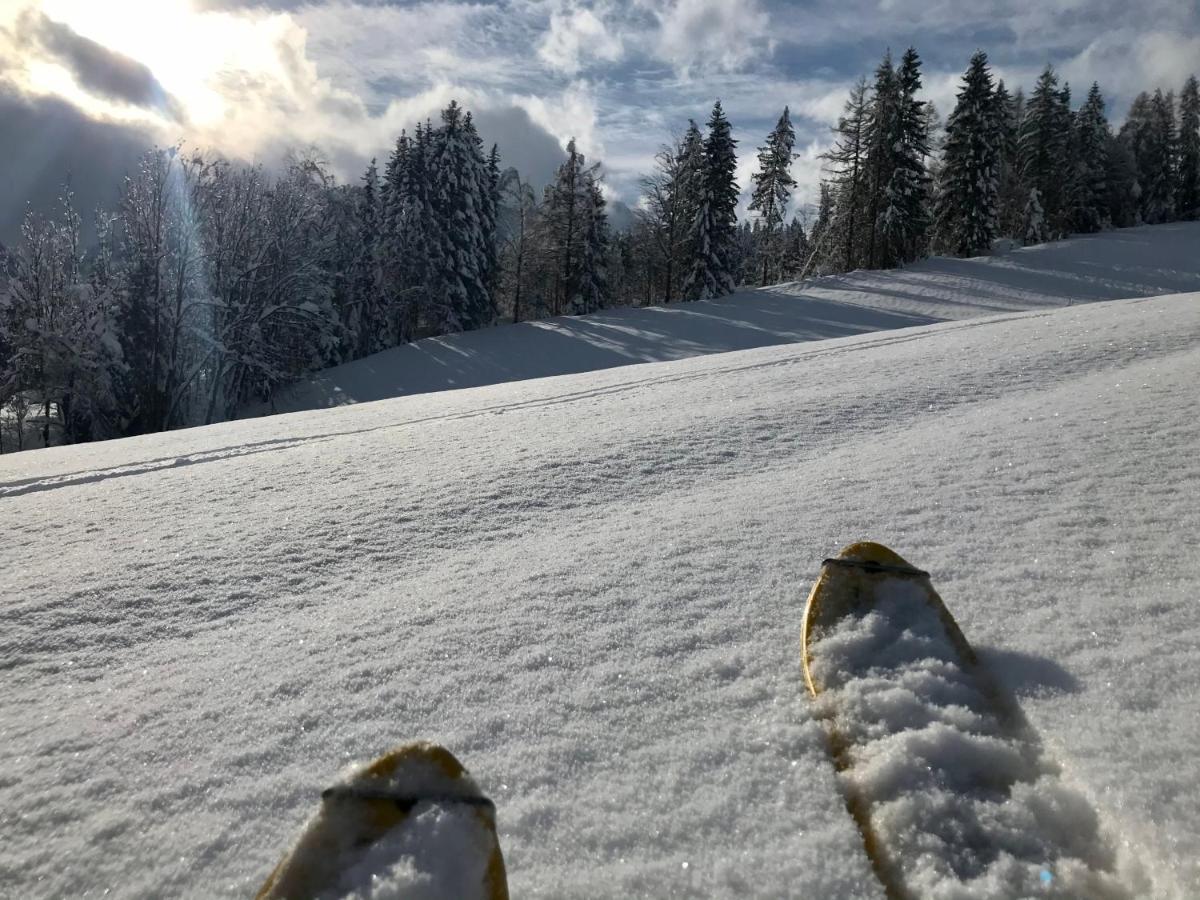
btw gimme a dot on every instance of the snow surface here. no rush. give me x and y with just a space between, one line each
1114 265
590 589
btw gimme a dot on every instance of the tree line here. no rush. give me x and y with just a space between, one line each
211 283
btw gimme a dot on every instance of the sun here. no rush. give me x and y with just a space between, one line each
189 52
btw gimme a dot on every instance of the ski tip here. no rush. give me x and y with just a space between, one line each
872 557
842 580
372 801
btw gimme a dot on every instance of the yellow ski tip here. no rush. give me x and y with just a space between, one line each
848 580
368 803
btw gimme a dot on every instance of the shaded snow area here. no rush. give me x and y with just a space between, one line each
1131 262
590 589
961 800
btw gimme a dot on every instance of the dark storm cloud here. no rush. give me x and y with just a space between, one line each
97 69
46 142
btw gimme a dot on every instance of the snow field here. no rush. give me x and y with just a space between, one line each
589 588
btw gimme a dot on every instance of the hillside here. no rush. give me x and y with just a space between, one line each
1131 262
590 588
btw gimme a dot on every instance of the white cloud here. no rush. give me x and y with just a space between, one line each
1124 63
701 35
569 114
576 35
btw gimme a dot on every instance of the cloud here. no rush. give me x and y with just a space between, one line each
576 35
536 152
1135 62
701 35
569 114
45 142
96 68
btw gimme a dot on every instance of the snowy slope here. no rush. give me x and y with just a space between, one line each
590 587
1132 262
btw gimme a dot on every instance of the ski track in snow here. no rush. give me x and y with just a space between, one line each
589 588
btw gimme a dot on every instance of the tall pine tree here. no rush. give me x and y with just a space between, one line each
904 220
1188 193
841 232
714 228
967 213
1089 180
1043 145
773 183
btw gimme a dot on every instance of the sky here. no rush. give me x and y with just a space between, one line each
85 85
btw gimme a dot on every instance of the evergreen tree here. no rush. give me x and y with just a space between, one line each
880 129
773 185
1121 182
1187 200
904 220
1148 132
1013 192
1089 187
369 322
1034 229
575 236
825 255
967 214
1043 146
714 230
846 194
592 291
458 294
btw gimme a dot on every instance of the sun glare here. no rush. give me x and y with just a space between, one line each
187 51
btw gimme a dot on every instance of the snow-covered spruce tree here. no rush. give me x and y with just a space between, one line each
370 321
457 238
591 293
1121 182
1013 192
1160 188
395 257
904 220
1089 187
479 203
773 183
669 200
1187 195
1033 228
715 225
1148 133
491 237
967 214
841 233
796 251
573 235
880 129
1043 147
824 256
689 188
